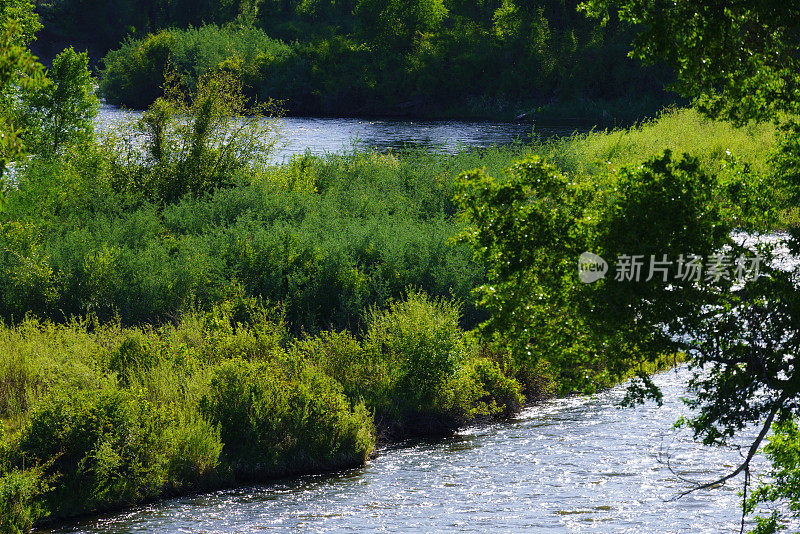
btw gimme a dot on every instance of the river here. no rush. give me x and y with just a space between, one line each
578 464
325 135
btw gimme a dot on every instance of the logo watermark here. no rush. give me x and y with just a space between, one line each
684 268
591 267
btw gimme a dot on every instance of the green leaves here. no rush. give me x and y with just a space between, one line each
397 23
19 71
529 229
737 58
197 143
62 110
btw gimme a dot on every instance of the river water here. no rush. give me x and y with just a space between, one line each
579 464
321 135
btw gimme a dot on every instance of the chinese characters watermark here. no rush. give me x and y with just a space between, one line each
684 268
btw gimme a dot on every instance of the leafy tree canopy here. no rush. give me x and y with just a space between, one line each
20 14
739 58
19 70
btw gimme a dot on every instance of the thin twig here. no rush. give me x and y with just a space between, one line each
750 453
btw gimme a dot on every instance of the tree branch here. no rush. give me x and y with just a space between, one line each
750 453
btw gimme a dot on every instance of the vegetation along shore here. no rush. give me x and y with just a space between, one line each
179 313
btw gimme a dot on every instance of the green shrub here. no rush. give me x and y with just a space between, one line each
239 327
100 448
20 499
283 416
481 389
342 357
196 143
421 338
62 112
195 446
134 74
134 356
37 357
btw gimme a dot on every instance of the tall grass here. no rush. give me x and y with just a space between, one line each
680 130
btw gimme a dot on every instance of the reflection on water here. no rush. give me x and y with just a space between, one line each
324 135
568 465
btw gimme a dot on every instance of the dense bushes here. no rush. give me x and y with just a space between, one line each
20 499
327 236
415 368
513 61
224 396
283 416
421 342
134 74
100 449
193 144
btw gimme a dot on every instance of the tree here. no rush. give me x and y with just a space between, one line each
738 325
61 111
192 143
21 15
739 61
397 23
19 71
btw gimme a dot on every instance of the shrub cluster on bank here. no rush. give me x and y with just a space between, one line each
575 71
99 416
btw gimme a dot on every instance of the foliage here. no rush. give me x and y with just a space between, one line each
739 60
399 21
100 447
134 73
528 229
104 24
327 236
421 57
782 483
421 341
194 145
63 110
663 210
480 389
181 292
278 416
415 369
19 70
19 491
19 17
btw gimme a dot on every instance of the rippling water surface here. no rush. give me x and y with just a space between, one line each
320 135
569 465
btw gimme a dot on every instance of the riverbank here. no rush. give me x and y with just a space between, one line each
563 465
98 417
266 320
